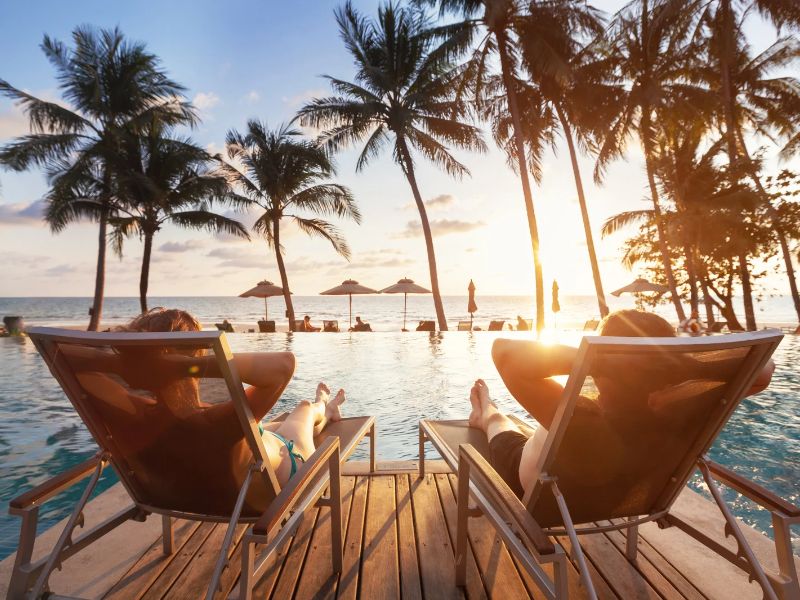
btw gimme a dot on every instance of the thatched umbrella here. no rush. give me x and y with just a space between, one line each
638 287
348 288
471 306
265 289
405 286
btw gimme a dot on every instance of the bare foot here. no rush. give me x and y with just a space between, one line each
482 392
323 393
332 408
476 415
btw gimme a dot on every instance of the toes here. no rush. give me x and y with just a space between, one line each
340 397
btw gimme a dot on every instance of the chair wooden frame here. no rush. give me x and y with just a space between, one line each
306 488
513 518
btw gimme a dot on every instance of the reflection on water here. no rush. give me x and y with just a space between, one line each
399 379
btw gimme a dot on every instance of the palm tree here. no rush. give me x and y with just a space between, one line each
655 50
282 172
402 94
111 85
584 78
162 180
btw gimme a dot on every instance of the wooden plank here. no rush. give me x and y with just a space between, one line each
318 579
474 588
410 586
147 569
269 577
601 586
661 575
500 576
353 541
380 576
293 565
394 467
436 554
196 577
179 562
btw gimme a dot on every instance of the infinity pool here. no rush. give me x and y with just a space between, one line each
399 378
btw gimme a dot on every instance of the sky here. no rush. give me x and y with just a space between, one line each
265 59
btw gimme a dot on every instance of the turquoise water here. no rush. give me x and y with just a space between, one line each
399 379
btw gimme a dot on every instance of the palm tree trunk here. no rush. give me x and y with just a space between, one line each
691 272
587 228
408 167
709 304
287 295
522 167
145 274
96 312
662 234
747 292
776 224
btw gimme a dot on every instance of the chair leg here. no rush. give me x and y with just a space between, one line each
246 578
632 543
462 523
786 564
421 453
167 539
18 583
337 546
560 579
577 551
373 450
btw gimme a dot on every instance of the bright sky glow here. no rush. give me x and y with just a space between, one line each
264 59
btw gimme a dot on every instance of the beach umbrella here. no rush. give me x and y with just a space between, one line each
638 287
264 289
348 288
471 306
556 306
405 286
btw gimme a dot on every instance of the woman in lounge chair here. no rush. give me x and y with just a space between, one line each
158 391
527 367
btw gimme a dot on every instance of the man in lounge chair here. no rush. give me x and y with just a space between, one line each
307 326
527 367
360 325
288 443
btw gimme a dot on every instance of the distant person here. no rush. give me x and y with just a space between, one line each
522 324
360 325
527 369
692 325
307 326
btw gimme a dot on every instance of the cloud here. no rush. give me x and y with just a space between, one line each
252 97
298 100
440 227
178 247
237 258
205 101
13 123
22 214
437 202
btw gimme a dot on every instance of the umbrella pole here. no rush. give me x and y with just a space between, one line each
351 309
266 310
405 306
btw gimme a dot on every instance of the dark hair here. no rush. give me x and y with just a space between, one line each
635 323
162 319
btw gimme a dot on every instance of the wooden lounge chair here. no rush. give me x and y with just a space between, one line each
266 326
496 325
426 326
224 326
591 325
701 382
181 479
330 326
464 326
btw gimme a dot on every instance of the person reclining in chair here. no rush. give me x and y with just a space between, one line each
617 413
158 392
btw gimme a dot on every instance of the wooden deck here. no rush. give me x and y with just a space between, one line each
399 540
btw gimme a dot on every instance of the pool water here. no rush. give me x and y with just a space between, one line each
399 378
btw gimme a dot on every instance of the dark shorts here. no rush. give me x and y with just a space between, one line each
506 454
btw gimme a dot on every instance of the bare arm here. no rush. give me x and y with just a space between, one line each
526 367
268 374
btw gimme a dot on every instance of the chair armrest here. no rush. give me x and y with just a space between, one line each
44 491
295 487
505 501
758 494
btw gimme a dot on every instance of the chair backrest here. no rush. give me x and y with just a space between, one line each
300 325
169 410
464 326
226 327
659 404
426 326
496 325
331 326
266 326
591 325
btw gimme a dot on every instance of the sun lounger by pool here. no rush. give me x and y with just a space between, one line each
266 326
700 383
426 326
330 326
496 325
178 482
464 326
